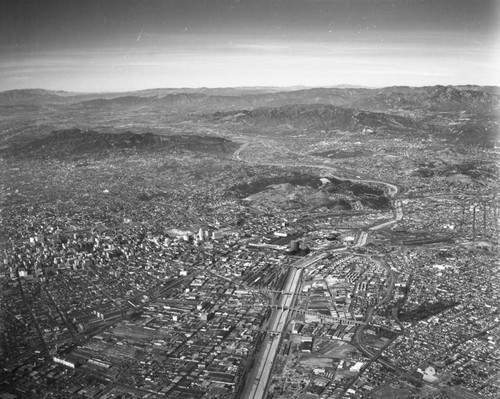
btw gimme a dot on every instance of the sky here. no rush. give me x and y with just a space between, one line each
123 45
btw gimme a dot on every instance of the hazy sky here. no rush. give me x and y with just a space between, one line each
120 45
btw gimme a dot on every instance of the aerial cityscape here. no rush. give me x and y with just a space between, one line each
202 228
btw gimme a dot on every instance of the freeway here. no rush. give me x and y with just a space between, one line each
277 325
303 263
363 235
278 322
361 239
398 209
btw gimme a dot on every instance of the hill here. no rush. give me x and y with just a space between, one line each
318 116
76 142
462 114
298 190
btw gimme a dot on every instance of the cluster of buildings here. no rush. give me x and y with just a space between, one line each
193 341
140 306
110 306
465 327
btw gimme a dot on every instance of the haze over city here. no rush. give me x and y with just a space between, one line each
95 46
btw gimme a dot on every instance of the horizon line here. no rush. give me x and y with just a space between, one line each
257 87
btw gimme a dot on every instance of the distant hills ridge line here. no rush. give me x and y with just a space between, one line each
467 114
237 90
477 99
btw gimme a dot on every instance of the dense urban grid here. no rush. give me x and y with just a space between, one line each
250 246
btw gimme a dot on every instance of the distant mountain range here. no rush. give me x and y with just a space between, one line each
467 114
318 116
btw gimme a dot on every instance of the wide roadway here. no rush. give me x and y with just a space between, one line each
278 323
